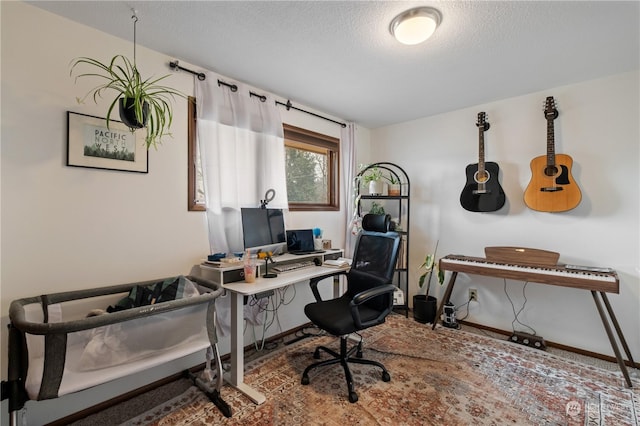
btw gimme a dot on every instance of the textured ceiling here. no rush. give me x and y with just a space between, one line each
338 56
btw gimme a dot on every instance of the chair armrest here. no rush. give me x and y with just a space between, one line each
313 283
363 296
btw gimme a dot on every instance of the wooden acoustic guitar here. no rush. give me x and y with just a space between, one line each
552 187
482 192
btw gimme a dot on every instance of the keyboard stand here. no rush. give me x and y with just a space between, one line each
596 289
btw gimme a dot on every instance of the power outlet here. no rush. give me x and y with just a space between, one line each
473 295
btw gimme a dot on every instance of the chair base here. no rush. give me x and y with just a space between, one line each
344 358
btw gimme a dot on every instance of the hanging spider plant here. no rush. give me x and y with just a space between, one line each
143 103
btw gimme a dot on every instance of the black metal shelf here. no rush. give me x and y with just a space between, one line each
384 197
402 202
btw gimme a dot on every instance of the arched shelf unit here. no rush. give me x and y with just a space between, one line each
394 201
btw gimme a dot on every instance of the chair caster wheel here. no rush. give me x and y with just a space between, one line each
386 377
353 397
359 354
305 380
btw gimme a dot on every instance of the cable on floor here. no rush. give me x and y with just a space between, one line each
513 308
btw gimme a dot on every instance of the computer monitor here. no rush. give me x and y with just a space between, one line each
263 229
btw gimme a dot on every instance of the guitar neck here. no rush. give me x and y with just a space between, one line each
481 150
551 151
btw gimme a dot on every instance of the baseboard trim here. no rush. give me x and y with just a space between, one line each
551 344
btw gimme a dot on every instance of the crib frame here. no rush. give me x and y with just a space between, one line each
56 334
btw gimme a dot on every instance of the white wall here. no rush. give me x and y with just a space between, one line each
598 127
66 228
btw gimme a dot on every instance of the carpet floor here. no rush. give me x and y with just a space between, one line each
445 376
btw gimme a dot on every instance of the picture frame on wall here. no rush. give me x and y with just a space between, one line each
91 144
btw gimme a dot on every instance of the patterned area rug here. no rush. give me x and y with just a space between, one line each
437 377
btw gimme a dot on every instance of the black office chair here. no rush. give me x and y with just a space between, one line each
366 302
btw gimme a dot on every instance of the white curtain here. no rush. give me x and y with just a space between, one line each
241 146
349 171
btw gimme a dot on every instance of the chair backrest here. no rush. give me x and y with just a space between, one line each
374 257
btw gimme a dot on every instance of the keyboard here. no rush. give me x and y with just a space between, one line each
288 267
546 274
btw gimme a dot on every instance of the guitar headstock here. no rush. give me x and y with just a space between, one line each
550 111
482 123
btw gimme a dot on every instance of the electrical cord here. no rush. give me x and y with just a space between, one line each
263 339
304 333
460 306
275 301
513 308
254 301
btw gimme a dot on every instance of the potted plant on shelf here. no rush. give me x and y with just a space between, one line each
394 185
425 306
376 209
142 103
373 178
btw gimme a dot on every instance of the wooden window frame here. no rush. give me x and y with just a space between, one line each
192 148
297 137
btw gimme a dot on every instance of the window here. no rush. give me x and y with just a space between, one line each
312 164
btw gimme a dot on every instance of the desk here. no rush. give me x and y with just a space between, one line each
597 283
239 289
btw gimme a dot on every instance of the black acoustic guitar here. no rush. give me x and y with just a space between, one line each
483 192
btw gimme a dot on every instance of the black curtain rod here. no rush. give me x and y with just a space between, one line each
262 98
174 65
234 88
289 106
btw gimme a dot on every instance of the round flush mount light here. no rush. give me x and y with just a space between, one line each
415 25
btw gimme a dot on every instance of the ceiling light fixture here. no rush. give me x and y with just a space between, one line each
415 25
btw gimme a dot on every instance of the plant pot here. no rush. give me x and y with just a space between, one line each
394 190
424 308
128 114
376 187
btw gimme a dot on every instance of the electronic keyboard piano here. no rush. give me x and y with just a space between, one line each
545 274
539 266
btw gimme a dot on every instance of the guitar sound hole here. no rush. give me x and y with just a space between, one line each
481 178
550 170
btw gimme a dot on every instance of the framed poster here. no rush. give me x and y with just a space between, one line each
91 144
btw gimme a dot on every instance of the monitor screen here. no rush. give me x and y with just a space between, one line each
263 229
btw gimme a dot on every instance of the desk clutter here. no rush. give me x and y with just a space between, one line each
229 268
